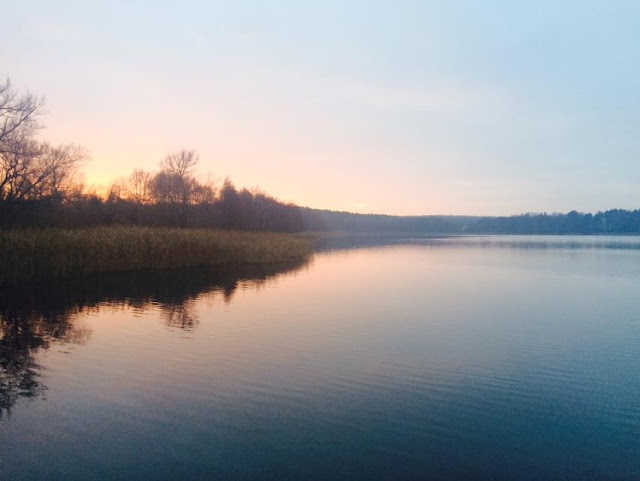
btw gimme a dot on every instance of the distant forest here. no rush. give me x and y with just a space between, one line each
613 221
39 187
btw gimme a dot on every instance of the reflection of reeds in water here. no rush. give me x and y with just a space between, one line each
34 318
33 255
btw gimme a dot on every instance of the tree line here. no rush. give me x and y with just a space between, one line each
614 221
334 221
39 185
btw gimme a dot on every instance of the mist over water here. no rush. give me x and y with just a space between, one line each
424 358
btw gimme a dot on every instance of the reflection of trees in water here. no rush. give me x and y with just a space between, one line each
34 318
180 316
23 333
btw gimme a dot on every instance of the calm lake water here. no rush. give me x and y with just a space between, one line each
462 358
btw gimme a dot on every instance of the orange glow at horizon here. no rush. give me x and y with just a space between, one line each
99 173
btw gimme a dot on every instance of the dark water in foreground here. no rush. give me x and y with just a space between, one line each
474 358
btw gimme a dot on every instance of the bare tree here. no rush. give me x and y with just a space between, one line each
181 162
17 167
30 169
139 184
167 188
203 193
18 116
35 170
176 181
57 168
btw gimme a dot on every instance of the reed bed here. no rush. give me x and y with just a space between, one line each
34 255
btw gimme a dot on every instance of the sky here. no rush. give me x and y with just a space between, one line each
400 107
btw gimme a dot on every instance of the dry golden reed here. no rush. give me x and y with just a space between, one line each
33 255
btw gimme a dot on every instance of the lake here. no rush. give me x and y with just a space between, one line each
502 358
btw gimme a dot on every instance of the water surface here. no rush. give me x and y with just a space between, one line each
451 358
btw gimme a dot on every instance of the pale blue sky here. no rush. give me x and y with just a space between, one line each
478 107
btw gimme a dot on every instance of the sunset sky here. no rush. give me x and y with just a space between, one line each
404 107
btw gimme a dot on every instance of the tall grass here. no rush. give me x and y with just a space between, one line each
33 255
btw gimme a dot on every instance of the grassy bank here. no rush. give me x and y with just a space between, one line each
33 255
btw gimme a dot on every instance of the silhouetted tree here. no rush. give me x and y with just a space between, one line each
30 169
179 167
166 188
19 113
139 186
